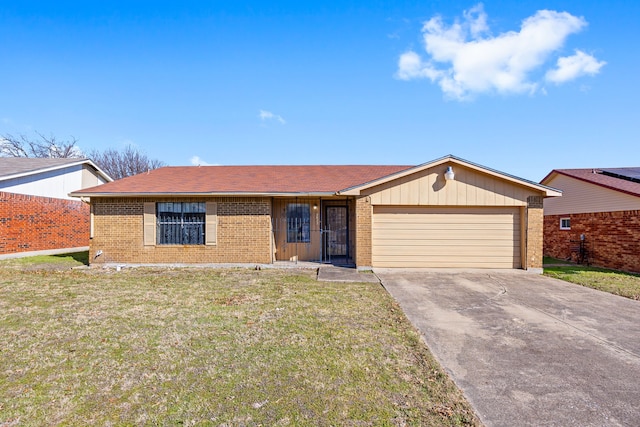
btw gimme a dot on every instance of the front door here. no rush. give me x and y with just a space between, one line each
336 232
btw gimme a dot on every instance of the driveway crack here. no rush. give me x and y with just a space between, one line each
502 291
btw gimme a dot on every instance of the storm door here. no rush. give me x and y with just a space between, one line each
336 232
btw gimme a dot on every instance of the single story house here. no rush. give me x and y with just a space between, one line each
37 215
600 210
445 213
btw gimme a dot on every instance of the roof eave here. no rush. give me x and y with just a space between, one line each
357 190
206 194
599 184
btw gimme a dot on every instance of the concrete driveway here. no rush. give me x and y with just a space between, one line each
526 349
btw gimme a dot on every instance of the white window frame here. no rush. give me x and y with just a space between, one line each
564 227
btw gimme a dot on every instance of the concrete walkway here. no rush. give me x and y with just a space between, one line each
331 273
528 350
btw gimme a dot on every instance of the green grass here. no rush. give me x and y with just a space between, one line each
212 347
56 262
615 282
553 261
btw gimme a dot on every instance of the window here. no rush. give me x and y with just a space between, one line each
565 223
298 223
180 223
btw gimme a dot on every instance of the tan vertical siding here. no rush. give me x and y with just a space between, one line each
583 197
292 251
470 188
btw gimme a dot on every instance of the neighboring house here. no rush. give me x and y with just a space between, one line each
370 216
37 215
600 208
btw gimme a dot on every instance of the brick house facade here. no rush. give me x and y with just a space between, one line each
264 214
243 233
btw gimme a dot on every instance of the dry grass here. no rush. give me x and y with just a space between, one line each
212 347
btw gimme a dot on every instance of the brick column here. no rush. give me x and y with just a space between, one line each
535 233
364 214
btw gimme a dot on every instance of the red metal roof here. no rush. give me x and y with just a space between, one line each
244 179
595 176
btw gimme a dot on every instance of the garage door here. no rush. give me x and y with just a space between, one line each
446 237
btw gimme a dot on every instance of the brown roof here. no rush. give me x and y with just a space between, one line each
10 166
595 176
243 180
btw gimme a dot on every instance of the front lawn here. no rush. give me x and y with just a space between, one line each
615 282
227 347
48 262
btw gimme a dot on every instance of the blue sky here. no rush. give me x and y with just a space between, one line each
519 86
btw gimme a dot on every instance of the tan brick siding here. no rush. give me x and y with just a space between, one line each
612 239
364 214
534 235
32 223
244 233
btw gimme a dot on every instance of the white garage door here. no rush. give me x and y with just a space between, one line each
446 237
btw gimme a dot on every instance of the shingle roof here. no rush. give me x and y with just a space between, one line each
595 176
243 180
10 166
630 174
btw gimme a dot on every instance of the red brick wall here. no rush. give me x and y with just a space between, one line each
32 223
612 238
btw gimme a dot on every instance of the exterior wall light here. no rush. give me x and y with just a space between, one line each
449 175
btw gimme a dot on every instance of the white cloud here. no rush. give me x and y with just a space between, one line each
268 115
197 161
572 67
464 59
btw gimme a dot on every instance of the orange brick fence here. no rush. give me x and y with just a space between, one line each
32 223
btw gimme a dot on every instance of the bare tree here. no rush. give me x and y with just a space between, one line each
43 146
117 164
121 164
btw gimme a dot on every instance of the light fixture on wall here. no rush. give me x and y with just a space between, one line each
315 206
449 175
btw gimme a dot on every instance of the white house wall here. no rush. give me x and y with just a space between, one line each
57 183
90 178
